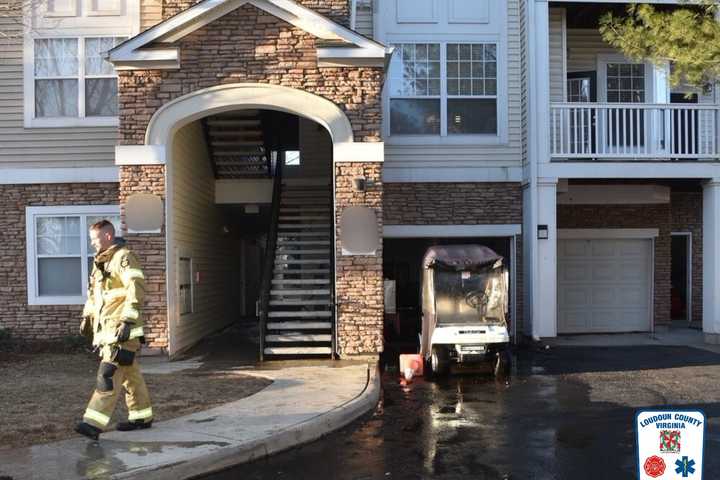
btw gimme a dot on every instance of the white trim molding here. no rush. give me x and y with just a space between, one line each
359 152
81 211
406 174
33 176
139 155
355 47
451 231
607 233
222 98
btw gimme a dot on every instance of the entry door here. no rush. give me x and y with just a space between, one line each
581 89
624 130
604 286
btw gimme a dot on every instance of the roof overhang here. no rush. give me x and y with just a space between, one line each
338 45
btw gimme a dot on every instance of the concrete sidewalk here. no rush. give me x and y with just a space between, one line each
674 336
301 405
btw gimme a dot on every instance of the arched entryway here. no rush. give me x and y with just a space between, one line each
249 214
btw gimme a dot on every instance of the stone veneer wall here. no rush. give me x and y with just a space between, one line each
337 10
459 204
631 216
150 247
250 46
359 278
687 216
43 322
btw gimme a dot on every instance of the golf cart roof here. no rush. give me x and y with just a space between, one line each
460 257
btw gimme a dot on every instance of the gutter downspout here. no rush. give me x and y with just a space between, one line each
353 14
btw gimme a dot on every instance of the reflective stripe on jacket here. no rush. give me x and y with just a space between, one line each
116 289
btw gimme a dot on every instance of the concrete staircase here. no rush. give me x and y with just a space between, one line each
300 314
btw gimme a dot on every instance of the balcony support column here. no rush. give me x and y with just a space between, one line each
711 261
539 197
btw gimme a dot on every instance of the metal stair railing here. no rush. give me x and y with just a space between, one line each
270 247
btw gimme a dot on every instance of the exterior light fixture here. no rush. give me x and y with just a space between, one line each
542 232
361 184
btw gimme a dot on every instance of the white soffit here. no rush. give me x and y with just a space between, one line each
614 195
356 49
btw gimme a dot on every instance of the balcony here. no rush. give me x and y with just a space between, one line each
634 131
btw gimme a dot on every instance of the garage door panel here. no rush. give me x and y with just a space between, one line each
603 249
575 272
604 272
603 296
576 320
604 319
633 272
604 285
633 249
574 248
575 297
633 297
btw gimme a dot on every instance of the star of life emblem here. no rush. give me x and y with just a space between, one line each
670 444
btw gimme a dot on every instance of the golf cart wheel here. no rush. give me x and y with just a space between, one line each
503 364
439 361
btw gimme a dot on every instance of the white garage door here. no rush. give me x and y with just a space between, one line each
604 285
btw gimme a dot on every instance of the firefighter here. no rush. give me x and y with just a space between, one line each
112 315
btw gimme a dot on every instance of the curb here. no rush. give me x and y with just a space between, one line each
293 436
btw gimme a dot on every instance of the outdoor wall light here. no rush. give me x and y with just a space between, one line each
361 184
542 233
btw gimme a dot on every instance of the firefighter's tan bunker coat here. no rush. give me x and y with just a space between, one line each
115 294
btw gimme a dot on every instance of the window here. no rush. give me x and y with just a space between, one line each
59 254
444 89
625 82
71 80
292 158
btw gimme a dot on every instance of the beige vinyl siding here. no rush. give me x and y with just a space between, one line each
364 18
525 67
583 47
197 233
41 147
557 55
150 13
462 156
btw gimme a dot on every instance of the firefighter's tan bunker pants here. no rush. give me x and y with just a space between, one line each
114 374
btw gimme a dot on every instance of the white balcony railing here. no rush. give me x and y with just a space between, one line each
634 131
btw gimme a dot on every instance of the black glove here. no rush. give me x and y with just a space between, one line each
123 333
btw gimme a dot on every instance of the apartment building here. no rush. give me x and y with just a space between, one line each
305 154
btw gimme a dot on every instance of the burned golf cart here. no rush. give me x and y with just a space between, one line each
464 308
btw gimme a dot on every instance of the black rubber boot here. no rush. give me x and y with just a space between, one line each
90 431
136 425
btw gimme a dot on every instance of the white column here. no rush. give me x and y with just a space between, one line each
539 196
711 261
545 285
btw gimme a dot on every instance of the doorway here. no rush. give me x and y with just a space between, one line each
681 275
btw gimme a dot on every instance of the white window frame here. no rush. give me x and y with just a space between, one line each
82 211
602 62
31 121
498 138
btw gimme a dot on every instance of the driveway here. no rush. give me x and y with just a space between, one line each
567 413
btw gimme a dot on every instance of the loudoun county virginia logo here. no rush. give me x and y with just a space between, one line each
670 444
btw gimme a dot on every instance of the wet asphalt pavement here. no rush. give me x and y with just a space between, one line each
567 413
